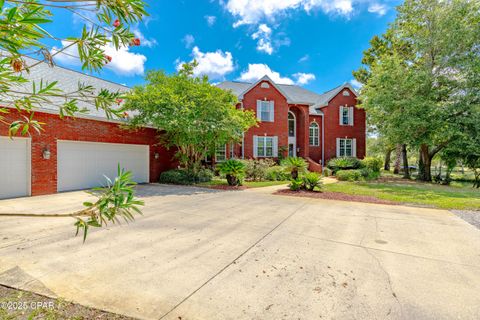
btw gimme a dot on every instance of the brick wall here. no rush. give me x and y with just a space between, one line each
44 172
277 128
334 130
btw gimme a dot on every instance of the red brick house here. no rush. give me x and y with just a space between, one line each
75 153
298 122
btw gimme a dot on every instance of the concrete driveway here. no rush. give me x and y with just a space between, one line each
204 254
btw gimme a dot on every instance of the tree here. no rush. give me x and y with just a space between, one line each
195 116
422 82
23 32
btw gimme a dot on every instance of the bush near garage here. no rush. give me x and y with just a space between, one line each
185 177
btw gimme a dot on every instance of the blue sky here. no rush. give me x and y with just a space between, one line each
313 43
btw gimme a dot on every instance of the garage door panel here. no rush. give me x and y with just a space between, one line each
83 165
14 167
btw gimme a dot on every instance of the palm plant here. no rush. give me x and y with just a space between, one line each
234 171
295 165
312 180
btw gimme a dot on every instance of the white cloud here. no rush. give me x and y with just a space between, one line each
256 71
254 11
211 20
123 62
356 84
213 64
303 78
264 42
305 58
378 8
189 40
144 42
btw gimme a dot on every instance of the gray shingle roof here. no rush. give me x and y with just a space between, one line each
68 81
294 94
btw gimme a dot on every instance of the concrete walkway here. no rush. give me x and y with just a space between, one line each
207 254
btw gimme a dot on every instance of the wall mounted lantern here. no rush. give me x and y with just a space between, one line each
46 153
156 155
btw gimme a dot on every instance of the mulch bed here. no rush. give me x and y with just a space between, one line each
224 187
335 196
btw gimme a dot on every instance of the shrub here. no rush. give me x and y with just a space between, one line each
327 172
369 174
349 175
204 175
234 171
177 176
312 180
295 165
183 176
372 163
296 184
344 163
256 169
277 173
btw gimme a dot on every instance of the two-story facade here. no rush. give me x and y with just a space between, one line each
297 122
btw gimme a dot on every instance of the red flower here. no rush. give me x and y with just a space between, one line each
119 101
116 24
108 59
135 42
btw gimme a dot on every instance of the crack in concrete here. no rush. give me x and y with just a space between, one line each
389 279
233 261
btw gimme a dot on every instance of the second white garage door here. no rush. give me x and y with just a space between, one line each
83 165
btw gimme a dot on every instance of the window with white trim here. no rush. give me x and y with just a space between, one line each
265 111
221 153
345 148
346 115
314 136
265 146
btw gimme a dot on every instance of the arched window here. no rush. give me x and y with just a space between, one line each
314 134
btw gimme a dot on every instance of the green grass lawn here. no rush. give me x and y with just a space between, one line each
248 184
459 195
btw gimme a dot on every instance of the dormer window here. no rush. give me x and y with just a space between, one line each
265 85
346 93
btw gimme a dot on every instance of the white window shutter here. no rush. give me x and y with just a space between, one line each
259 109
340 116
354 148
338 147
272 111
350 118
255 146
275 147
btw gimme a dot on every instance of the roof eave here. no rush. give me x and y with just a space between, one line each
264 78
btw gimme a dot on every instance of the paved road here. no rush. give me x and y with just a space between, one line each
204 254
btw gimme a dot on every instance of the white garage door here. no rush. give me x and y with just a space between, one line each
83 165
14 167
